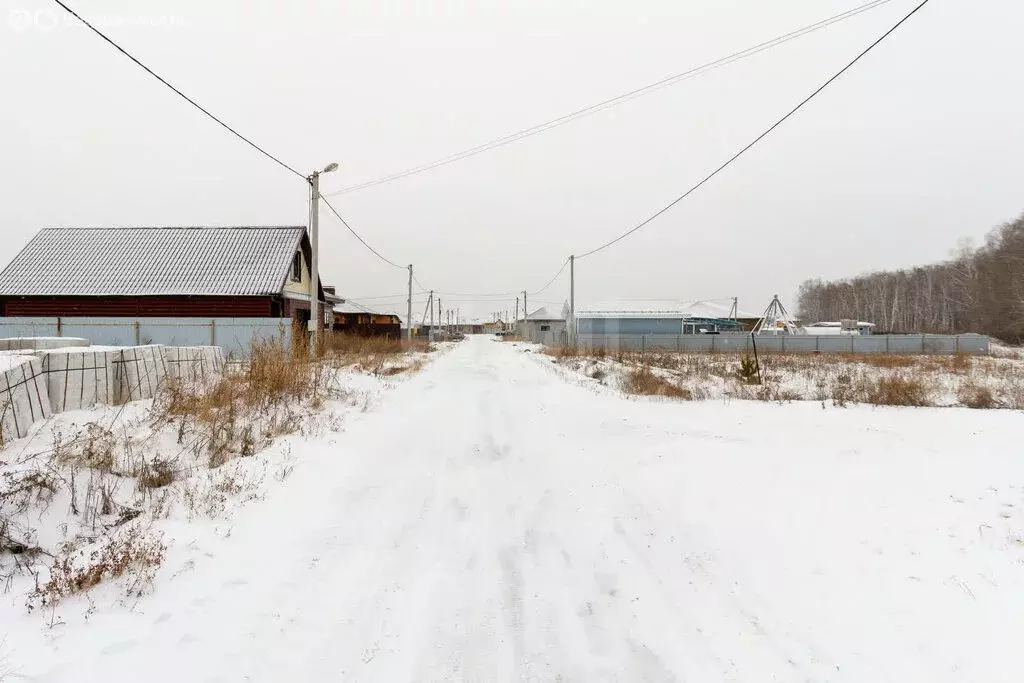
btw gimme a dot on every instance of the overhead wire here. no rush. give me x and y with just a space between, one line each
358 236
219 121
177 91
760 137
614 101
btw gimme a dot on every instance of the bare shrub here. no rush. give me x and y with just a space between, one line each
94 449
156 474
642 381
132 554
978 397
898 390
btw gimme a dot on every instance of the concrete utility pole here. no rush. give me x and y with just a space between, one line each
526 315
431 336
315 320
408 325
572 301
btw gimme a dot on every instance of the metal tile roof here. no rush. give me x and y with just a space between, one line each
236 261
651 308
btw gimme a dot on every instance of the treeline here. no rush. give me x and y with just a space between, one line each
980 290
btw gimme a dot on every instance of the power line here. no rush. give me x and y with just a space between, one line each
179 93
759 137
614 101
552 280
358 237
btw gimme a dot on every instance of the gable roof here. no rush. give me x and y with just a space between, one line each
236 261
544 314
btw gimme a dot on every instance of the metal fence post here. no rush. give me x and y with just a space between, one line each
957 337
213 332
853 348
887 338
713 342
138 338
817 343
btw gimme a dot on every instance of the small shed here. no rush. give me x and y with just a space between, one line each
544 326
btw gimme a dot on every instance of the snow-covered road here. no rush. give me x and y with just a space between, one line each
496 520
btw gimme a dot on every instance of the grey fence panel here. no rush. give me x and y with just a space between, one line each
102 331
891 343
935 343
800 344
973 343
234 335
910 343
695 342
728 342
870 344
835 344
28 327
178 331
770 342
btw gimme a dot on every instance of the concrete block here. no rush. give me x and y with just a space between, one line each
23 397
194 363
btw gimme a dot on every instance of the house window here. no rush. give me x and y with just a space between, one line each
545 328
297 267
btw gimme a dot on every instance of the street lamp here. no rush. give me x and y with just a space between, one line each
315 322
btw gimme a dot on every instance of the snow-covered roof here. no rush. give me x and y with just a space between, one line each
236 261
544 313
840 324
349 306
653 308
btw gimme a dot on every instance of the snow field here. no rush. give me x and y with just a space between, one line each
487 520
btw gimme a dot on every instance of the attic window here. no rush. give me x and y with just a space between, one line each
297 267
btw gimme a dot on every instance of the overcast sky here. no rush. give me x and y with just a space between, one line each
918 146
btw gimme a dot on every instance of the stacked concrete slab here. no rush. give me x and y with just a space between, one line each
34 343
23 398
80 377
194 363
139 372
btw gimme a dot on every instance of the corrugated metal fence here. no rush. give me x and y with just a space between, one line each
878 343
234 335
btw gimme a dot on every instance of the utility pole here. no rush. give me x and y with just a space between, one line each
315 320
526 315
408 326
431 337
572 301
516 328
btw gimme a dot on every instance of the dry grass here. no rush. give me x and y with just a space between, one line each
643 382
897 390
977 397
879 379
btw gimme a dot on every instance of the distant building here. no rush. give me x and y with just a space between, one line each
544 326
847 327
249 272
354 318
655 317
